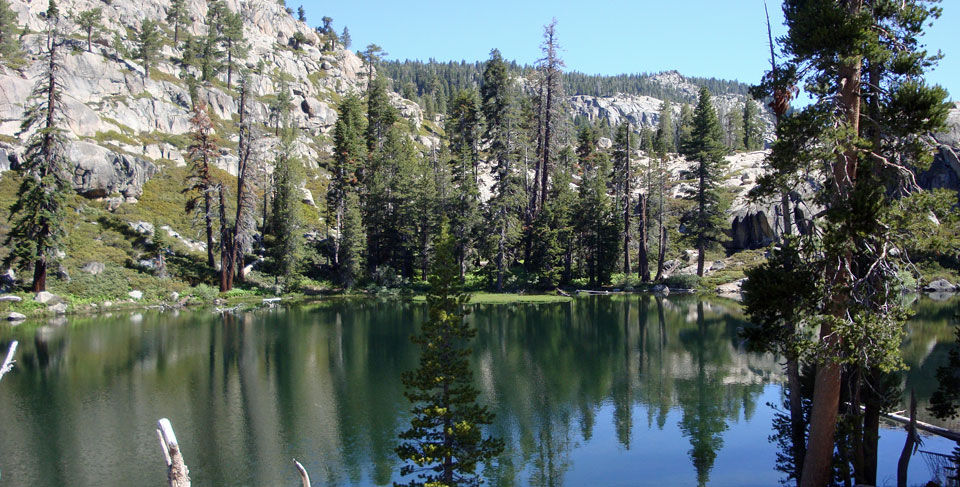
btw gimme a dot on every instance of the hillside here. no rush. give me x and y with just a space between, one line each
129 131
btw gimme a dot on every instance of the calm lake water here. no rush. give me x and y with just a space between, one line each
624 390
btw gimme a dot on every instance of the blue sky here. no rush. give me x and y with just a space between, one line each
713 38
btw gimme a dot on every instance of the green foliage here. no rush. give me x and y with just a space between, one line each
177 16
777 295
9 31
445 442
286 225
682 281
148 44
752 128
345 38
705 147
37 216
598 223
88 20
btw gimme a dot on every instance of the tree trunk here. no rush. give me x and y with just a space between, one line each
177 473
643 254
661 252
208 221
626 217
904 463
40 274
818 462
797 422
871 439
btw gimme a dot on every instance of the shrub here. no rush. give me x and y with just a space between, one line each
683 281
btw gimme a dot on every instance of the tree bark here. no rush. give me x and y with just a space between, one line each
826 395
626 216
304 476
7 364
177 473
797 426
904 463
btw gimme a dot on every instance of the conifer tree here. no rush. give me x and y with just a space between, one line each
280 106
232 39
88 20
177 16
863 65
752 131
684 128
349 154
463 127
550 93
598 222
380 113
352 244
445 442
148 45
9 30
287 214
37 215
301 14
553 232
200 184
705 147
345 38
499 135
663 144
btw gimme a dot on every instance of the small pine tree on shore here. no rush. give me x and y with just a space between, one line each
445 443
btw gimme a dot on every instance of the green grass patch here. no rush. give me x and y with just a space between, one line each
508 298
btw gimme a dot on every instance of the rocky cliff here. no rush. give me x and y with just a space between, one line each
124 126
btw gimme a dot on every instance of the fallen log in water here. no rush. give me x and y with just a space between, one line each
177 473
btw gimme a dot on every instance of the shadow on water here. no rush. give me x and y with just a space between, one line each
629 390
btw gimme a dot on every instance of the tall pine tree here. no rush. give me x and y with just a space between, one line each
705 147
38 213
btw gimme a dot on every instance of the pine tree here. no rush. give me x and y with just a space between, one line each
349 154
345 38
550 91
37 215
148 45
553 233
9 30
280 106
663 144
503 209
598 222
380 113
684 127
445 443
864 69
301 14
88 20
463 127
200 184
232 39
236 235
705 147
353 242
287 215
752 131
177 16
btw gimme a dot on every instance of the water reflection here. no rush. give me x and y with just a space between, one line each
627 389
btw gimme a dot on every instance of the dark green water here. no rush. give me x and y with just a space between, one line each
601 391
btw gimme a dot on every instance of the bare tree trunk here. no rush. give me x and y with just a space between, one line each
177 473
8 362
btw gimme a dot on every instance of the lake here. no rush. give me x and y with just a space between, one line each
605 390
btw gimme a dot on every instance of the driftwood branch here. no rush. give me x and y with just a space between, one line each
9 361
177 473
304 476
